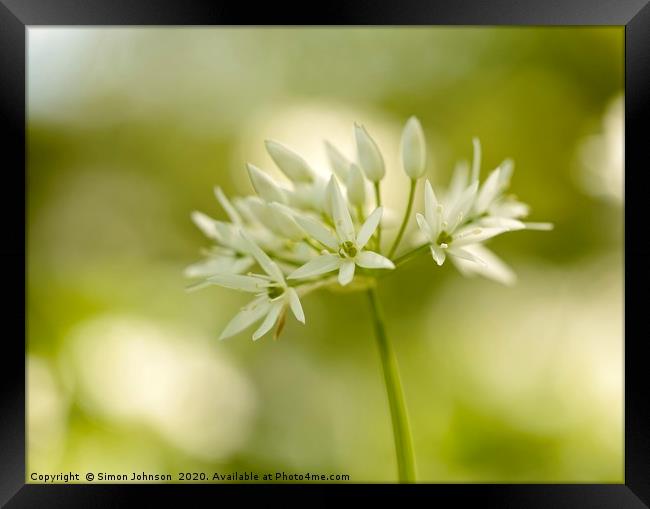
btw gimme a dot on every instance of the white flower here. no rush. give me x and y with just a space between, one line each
470 214
273 297
445 229
370 158
414 149
347 245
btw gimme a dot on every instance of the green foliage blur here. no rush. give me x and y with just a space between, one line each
130 129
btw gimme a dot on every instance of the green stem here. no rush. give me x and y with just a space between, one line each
401 260
401 430
378 203
360 214
405 221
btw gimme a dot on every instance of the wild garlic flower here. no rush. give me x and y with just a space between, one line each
445 229
471 214
318 221
273 295
346 248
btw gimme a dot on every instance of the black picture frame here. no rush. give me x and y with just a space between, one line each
17 15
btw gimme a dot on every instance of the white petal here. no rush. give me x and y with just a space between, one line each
438 254
458 181
507 167
318 231
242 208
509 208
247 316
472 235
320 265
356 186
294 303
269 321
319 195
539 226
284 222
276 217
494 267
206 224
488 192
259 209
432 209
369 227
219 265
290 163
458 211
339 163
413 149
232 213
370 158
229 236
197 286
464 254
476 160
346 272
264 185
241 264
425 227
372 260
340 212
502 222
263 259
251 284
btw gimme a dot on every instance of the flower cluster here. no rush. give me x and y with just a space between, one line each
322 229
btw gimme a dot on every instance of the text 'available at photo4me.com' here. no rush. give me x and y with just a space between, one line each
192 477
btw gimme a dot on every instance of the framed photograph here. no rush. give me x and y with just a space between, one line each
384 250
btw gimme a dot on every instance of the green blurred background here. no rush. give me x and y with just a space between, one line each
128 131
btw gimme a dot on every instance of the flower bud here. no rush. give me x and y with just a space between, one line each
264 185
284 221
290 163
413 149
206 224
370 159
339 163
356 186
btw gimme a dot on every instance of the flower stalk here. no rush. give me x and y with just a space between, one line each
399 417
409 255
378 204
405 221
